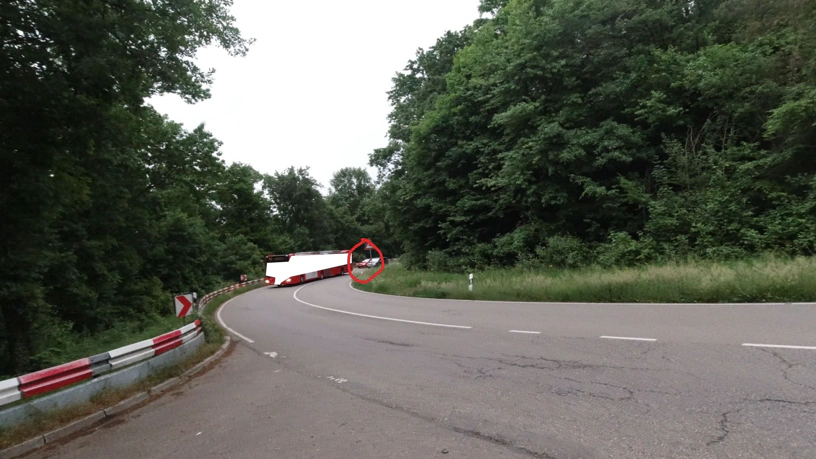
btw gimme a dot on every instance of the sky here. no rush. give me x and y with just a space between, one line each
311 92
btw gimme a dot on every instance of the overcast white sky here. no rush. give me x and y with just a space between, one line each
312 89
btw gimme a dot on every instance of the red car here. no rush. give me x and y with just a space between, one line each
369 263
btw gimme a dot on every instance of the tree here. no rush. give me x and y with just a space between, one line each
297 203
673 127
72 90
350 186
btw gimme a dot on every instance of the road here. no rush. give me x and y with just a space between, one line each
327 371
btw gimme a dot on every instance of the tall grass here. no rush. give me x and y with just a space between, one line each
761 279
212 331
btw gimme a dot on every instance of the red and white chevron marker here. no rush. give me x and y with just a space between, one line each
183 305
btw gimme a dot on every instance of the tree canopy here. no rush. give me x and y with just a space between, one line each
108 207
619 132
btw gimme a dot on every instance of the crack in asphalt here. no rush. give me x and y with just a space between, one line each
568 364
788 368
392 343
656 347
723 426
725 423
630 393
481 372
503 442
776 400
509 444
564 364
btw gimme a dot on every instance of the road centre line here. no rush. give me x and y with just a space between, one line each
811 348
221 321
527 332
628 338
376 317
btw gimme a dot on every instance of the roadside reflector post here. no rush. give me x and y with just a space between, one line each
470 283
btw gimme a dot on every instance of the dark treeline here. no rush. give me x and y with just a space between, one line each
107 207
574 132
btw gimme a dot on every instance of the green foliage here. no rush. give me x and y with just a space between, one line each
757 279
300 208
109 208
438 261
645 130
564 252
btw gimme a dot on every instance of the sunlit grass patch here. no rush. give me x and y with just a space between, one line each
761 279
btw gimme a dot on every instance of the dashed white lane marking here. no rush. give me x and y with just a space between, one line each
221 321
812 348
628 338
271 354
376 317
527 332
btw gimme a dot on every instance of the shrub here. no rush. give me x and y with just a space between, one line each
623 250
564 252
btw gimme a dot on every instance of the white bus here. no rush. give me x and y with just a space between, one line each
297 268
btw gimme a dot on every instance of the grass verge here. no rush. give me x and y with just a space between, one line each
212 330
214 339
761 279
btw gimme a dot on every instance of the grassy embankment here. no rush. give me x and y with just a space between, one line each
761 279
50 421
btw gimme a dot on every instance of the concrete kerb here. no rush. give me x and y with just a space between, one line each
41 440
208 360
158 389
126 404
74 427
23 448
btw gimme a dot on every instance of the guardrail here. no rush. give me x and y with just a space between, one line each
54 378
210 296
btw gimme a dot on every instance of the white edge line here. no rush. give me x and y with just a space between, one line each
527 332
376 317
221 321
351 286
812 348
628 338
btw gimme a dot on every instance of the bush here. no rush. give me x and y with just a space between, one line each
412 260
623 250
564 252
438 261
212 332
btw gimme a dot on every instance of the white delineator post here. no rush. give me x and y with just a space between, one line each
470 284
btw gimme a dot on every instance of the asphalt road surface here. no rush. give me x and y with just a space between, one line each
325 371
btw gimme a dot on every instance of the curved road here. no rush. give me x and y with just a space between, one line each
323 370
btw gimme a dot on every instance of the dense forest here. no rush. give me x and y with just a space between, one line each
576 132
107 207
